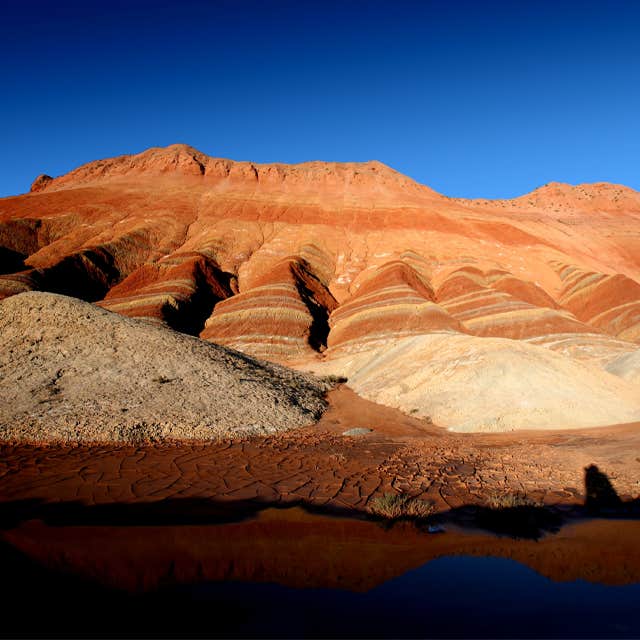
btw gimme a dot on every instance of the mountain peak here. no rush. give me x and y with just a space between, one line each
586 195
184 162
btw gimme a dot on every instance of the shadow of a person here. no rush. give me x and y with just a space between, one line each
600 494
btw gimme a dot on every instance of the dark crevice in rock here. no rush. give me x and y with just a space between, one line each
87 275
318 301
201 166
211 286
11 261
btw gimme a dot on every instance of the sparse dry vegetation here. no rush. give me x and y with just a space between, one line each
394 506
516 514
510 500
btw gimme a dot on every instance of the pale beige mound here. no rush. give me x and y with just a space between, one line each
468 383
627 366
70 371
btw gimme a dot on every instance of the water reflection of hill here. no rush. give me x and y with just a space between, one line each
298 549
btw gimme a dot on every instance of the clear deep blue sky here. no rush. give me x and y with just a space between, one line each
475 99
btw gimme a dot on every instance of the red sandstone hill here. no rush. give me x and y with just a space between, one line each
317 263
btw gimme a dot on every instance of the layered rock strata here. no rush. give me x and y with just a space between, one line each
310 264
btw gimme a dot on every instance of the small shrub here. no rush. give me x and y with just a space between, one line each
394 506
510 500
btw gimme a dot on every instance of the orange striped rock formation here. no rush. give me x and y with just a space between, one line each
610 302
395 302
356 269
283 315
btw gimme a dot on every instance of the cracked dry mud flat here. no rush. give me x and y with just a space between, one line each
319 466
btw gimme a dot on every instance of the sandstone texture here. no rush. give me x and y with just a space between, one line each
334 266
492 384
72 372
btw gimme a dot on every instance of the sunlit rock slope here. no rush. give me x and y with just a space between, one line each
335 266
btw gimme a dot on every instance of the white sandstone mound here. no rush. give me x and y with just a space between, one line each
72 372
468 383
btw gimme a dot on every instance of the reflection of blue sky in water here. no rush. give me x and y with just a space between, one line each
463 596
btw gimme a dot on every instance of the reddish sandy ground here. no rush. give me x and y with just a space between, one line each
321 467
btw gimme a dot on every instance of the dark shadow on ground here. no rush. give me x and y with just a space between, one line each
168 512
70 605
513 515
601 497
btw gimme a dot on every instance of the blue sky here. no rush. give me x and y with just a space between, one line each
475 99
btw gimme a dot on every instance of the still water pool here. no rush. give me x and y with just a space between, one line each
448 597
288 573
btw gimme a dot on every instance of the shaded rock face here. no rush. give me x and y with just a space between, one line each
180 291
308 264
